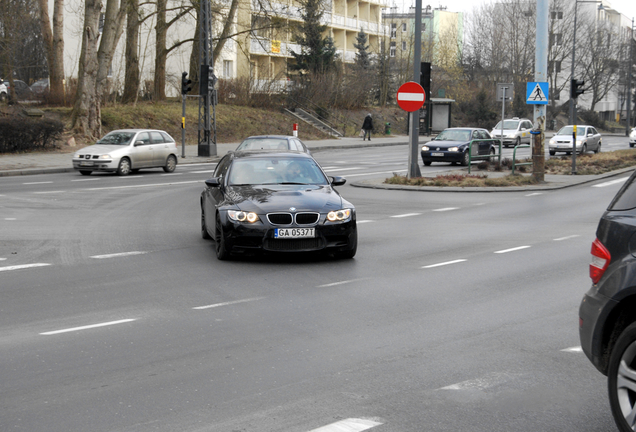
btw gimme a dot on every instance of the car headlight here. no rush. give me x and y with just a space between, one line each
510 136
424 148
552 141
241 216
105 156
339 215
453 149
578 142
77 156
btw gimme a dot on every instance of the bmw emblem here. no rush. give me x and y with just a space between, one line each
292 209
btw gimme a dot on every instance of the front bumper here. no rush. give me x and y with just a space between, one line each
441 156
95 165
242 238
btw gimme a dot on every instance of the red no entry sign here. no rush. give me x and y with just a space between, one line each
411 96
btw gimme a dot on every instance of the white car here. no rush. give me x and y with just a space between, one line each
3 91
587 138
127 150
632 137
515 131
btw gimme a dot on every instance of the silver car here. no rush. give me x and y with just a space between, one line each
632 137
587 139
128 150
515 131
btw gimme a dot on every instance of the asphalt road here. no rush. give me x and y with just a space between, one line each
459 311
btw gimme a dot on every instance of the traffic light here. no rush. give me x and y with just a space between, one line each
576 88
185 83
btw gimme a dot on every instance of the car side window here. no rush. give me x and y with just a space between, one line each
166 138
301 146
625 199
143 137
156 137
222 167
293 145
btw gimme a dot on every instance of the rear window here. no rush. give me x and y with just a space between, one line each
625 199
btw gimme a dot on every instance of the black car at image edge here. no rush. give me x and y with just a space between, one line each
276 202
607 314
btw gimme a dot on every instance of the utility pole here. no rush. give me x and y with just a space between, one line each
414 167
540 75
207 95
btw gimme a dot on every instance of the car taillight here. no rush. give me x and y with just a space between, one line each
600 260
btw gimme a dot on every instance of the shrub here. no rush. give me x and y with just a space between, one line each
20 134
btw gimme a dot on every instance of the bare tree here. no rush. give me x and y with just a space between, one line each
132 74
54 45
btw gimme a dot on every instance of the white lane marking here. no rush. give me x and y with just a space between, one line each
198 164
443 263
49 192
228 303
121 254
576 349
341 282
3 259
36 183
406 215
23 266
512 249
201 172
567 238
610 183
83 180
87 327
10 218
373 173
446 209
483 383
534 194
348 425
171 174
139 186
343 169
364 221
129 177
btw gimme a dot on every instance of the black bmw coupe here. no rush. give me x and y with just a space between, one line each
276 202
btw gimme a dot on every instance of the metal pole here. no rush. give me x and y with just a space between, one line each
541 75
183 116
572 101
414 167
503 116
629 81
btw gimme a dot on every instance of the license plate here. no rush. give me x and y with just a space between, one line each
87 163
437 154
294 233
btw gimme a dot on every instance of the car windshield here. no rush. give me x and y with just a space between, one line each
567 130
264 143
117 138
453 135
508 124
262 171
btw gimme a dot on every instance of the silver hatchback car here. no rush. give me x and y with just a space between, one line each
515 131
128 150
587 139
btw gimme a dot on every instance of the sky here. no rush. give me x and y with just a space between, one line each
626 7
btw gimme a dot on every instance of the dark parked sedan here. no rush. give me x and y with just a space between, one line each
607 315
273 142
451 145
276 202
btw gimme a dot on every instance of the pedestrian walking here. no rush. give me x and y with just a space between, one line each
367 127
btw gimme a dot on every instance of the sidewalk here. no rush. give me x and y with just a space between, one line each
45 162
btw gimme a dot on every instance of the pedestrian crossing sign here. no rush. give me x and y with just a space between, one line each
537 93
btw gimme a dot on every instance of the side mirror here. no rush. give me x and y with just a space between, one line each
213 182
138 143
337 181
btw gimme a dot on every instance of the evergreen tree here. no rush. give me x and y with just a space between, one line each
318 53
363 60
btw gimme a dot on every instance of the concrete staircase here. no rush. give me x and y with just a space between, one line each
314 121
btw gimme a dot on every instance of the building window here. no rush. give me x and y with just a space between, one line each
403 46
556 15
403 27
556 39
228 68
393 30
260 26
392 50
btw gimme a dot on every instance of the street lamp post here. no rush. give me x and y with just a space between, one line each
628 124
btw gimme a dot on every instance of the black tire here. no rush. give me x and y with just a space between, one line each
171 164
583 149
598 148
464 161
631 145
204 231
621 381
3 97
518 141
427 163
221 251
85 172
552 153
124 167
492 157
